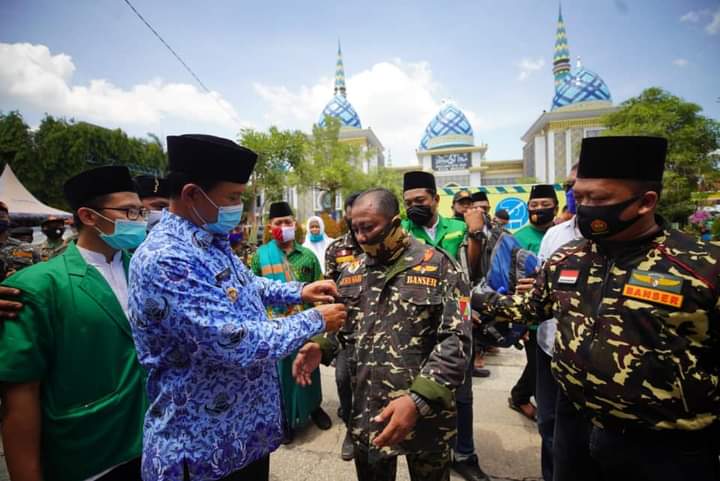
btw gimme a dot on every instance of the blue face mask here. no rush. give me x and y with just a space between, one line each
316 237
128 234
227 219
570 201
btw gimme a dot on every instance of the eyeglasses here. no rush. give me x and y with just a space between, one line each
132 213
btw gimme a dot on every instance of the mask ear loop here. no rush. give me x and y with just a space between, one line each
106 218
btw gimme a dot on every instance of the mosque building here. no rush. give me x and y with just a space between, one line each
552 143
351 132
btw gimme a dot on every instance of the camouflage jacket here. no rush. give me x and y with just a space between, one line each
16 255
341 251
411 332
48 249
638 340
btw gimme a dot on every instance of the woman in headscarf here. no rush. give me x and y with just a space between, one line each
317 240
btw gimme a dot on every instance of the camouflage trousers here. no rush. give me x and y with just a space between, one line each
422 466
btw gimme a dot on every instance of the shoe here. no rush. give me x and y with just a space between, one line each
469 469
321 419
348 450
477 372
528 410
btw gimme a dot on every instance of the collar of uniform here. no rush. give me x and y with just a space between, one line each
193 232
627 249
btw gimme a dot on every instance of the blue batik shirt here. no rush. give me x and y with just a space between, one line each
201 330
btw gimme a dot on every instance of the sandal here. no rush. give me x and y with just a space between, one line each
528 410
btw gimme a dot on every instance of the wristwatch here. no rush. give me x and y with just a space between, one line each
421 404
477 234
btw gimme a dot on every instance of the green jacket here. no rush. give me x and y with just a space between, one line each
449 234
73 337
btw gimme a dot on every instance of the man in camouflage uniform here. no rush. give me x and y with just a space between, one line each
14 254
344 249
410 321
340 252
636 351
53 245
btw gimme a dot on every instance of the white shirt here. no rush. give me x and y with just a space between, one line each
556 237
430 231
113 272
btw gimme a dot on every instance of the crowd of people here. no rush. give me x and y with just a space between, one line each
155 344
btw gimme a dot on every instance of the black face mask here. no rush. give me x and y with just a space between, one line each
420 214
4 226
542 216
603 221
54 234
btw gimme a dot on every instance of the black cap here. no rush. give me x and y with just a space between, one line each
479 196
151 186
418 180
502 214
280 209
209 157
623 157
96 182
543 191
463 194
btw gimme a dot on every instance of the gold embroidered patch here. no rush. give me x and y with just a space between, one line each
421 281
423 268
653 295
351 280
344 259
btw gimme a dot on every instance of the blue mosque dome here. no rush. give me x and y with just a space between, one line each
449 128
581 85
341 109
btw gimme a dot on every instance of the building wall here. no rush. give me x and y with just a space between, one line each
560 157
529 159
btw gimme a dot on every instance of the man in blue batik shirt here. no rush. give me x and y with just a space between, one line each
199 322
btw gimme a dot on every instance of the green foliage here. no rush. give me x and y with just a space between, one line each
330 165
279 151
43 160
691 138
381 177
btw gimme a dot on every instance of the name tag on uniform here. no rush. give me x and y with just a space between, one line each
351 280
655 287
344 259
421 281
568 276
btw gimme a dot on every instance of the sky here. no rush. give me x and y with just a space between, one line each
273 63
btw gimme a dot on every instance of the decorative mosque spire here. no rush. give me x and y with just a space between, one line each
340 74
561 59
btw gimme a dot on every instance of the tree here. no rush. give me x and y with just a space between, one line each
330 165
691 136
43 160
279 151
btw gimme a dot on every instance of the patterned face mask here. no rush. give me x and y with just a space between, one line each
389 244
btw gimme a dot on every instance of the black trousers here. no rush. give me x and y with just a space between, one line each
546 392
343 380
257 471
129 471
524 388
585 452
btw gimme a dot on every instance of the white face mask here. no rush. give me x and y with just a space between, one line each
153 218
288 233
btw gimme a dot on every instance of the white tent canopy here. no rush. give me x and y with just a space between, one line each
20 201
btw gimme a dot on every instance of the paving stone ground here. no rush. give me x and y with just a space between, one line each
507 444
